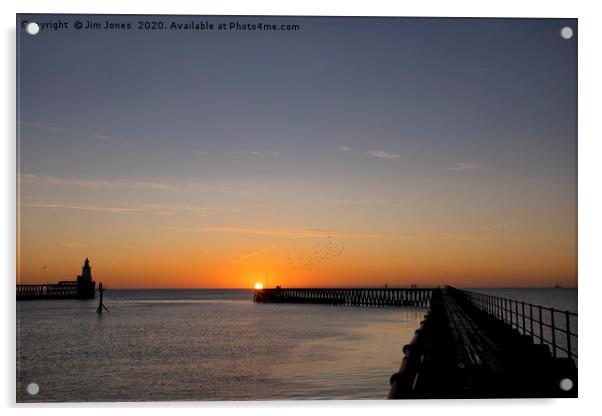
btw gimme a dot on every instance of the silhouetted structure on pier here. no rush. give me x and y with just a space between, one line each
358 297
82 288
101 305
469 345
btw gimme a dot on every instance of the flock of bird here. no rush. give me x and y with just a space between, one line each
312 257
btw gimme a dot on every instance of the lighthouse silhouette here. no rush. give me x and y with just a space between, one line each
86 287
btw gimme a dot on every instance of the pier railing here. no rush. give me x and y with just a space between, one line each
414 297
548 326
62 290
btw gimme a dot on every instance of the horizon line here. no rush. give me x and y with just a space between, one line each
329 287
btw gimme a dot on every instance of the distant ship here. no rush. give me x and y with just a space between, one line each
557 286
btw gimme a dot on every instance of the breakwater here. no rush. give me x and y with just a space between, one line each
417 297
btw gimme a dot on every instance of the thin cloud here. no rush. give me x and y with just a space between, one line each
102 137
503 224
269 153
255 253
175 207
113 184
284 232
83 207
256 152
157 209
354 202
44 126
72 244
463 166
383 155
477 231
345 148
56 129
313 233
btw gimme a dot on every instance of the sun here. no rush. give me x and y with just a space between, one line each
258 286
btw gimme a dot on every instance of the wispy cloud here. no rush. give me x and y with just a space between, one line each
354 202
43 126
157 209
72 244
114 184
463 166
256 152
55 129
503 225
284 232
268 153
101 136
83 207
376 153
383 155
176 207
313 233
470 234
255 253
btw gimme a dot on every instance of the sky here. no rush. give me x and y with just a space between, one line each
351 152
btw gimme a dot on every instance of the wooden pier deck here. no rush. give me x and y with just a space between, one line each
461 351
469 345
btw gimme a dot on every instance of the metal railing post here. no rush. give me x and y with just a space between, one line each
523 313
540 325
508 312
553 331
531 318
568 334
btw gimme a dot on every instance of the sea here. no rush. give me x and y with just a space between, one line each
198 345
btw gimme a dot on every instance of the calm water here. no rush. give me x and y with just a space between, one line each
217 345
206 345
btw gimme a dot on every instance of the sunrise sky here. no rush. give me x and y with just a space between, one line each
353 152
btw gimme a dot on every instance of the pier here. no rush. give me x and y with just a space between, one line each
469 345
418 297
60 290
81 288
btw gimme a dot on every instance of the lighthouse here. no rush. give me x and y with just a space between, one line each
85 285
86 271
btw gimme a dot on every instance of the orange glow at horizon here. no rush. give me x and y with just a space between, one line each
291 241
182 260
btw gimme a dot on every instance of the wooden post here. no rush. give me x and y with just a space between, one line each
101 305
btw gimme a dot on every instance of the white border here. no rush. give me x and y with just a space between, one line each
590 200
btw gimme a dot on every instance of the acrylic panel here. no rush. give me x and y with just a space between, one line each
290 208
